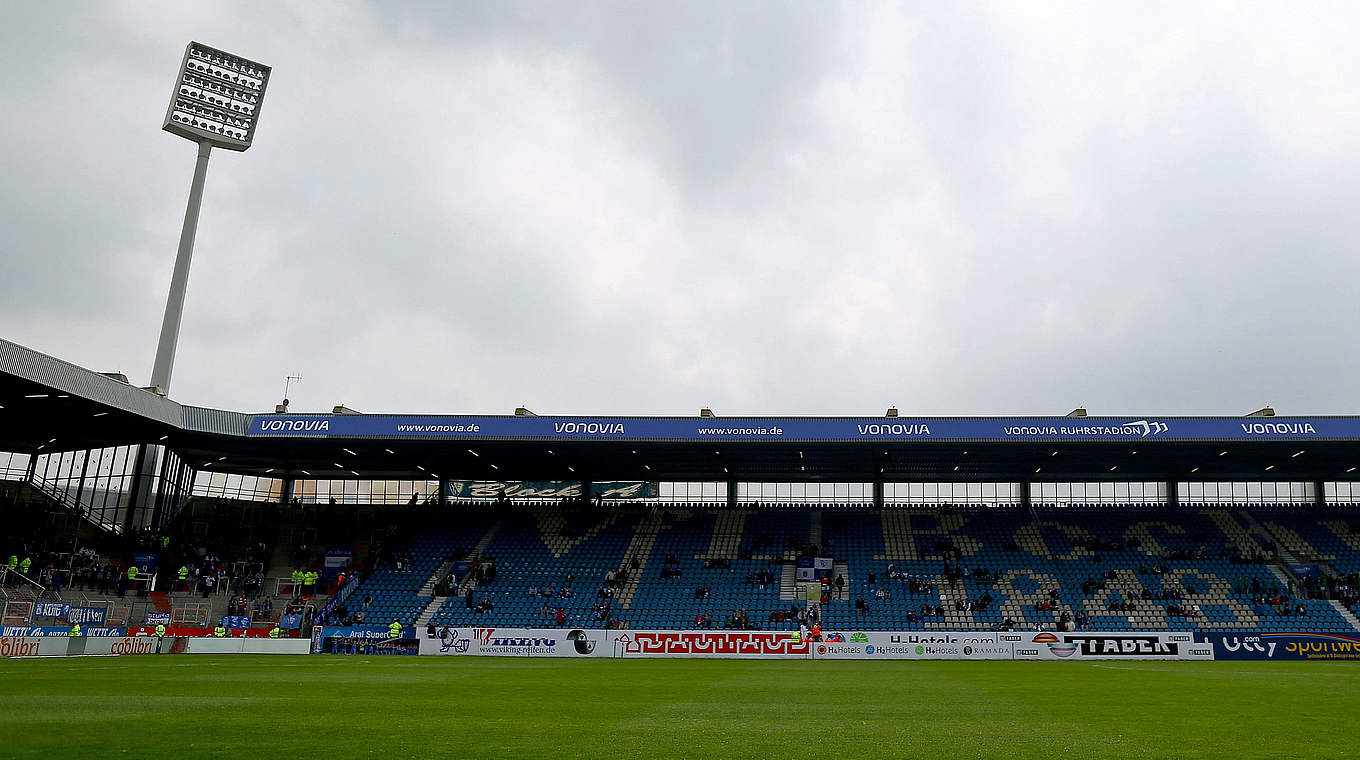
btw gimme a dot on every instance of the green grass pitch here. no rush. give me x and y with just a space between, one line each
199 706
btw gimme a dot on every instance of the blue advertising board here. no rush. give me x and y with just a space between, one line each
146 561
337 599
1306 571
364 632
338 557
81 615
810 429
365 639
237 622
1285 646
49 609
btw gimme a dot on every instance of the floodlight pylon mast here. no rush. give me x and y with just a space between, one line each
179 281
216 102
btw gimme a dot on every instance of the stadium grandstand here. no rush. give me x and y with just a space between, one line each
121 500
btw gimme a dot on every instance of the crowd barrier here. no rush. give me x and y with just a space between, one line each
54 646
242 646
59 631
835 645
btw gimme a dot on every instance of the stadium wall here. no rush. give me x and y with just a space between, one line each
54 646
905 645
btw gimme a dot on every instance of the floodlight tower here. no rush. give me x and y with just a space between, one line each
216 102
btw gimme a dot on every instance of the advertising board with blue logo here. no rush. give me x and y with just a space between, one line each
337 599
910 645
146 561
697 429
1285 646
49 609
73 615
360 632
337 558
1302 571
363 639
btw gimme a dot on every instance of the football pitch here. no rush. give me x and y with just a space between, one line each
199 706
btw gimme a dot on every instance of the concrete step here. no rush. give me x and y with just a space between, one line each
1345 613
427 614
476 552
788 581
639 546
727 532
1285 579
427 588
840 569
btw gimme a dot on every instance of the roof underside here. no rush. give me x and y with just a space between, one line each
47 405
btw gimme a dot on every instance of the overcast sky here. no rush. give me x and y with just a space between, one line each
783 208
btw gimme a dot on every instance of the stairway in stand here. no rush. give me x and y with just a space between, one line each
1346 613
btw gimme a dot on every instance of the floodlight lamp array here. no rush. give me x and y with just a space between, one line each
217 98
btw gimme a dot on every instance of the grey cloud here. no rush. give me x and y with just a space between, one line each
765 208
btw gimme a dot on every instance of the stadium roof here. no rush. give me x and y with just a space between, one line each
48 405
